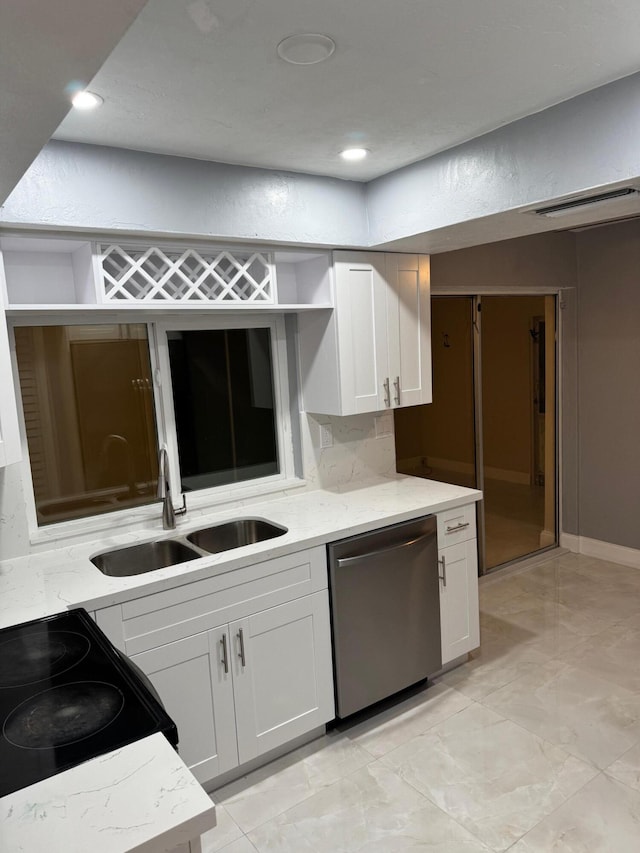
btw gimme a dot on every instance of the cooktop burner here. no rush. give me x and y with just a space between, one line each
63 715
66 695
36 656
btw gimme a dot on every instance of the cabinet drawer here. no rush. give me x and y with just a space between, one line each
456 525
189 609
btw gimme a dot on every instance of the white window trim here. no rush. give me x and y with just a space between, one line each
165 414
149 515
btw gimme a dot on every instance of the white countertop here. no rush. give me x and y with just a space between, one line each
127 799
53 581
140 798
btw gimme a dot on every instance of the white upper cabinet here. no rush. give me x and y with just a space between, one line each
409 329
373 352
9 434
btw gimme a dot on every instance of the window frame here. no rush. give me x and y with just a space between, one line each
157 326
165 412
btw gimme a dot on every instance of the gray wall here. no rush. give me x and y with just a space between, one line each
609 383
95 188
586 142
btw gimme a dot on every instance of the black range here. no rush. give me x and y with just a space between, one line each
66 695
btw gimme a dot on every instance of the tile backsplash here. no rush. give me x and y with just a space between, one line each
363 448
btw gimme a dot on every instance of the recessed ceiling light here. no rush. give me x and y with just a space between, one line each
306 48
86 100
354 154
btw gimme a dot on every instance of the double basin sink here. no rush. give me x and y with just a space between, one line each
149 556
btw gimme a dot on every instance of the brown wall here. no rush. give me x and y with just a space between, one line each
507 392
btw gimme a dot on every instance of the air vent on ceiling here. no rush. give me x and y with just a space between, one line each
564 208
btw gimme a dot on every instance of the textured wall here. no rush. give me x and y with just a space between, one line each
90 187
586 142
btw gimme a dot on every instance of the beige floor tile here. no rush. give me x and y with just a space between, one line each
548 625
603 570
599 594
504 655
603 817
394 726
224 832
497 591
372 811
489 774
273 789
591 718
627 768
614 654
242 845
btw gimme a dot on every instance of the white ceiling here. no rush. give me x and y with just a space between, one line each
201 78
45 50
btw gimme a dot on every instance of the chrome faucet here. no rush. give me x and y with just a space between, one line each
164 493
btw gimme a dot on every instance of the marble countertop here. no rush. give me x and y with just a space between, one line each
50 582
140 798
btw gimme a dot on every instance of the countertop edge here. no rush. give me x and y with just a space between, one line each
140 794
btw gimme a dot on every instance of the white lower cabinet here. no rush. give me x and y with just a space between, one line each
282 674
238 691
239 680
197 693
458 570
459 609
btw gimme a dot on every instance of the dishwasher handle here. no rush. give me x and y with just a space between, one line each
342 562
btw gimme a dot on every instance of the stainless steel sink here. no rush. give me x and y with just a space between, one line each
235 534
146 557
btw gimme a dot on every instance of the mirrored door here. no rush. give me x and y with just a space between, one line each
492 423
518 425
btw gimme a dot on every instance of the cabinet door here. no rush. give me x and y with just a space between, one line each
282 674
409 328
361 292
459 610
197 691
10 450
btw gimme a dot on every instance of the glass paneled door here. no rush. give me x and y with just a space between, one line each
518 425
492 423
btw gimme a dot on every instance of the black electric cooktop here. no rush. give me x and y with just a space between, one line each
66 695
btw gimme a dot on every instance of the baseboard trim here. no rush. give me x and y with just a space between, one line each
602 550
570 541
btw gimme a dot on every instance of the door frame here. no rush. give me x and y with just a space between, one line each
476 294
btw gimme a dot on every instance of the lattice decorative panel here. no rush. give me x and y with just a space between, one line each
152 275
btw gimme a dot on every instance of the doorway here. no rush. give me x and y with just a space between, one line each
492 423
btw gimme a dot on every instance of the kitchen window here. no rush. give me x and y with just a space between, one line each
99 400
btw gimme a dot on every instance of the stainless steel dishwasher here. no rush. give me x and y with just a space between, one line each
385 612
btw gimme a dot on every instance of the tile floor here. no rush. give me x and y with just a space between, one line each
533 746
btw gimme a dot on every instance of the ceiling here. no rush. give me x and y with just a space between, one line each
409 78
45 50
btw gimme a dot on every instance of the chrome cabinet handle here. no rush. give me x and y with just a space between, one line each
457 527
387 393
225 656
396 385
443 577
241 654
